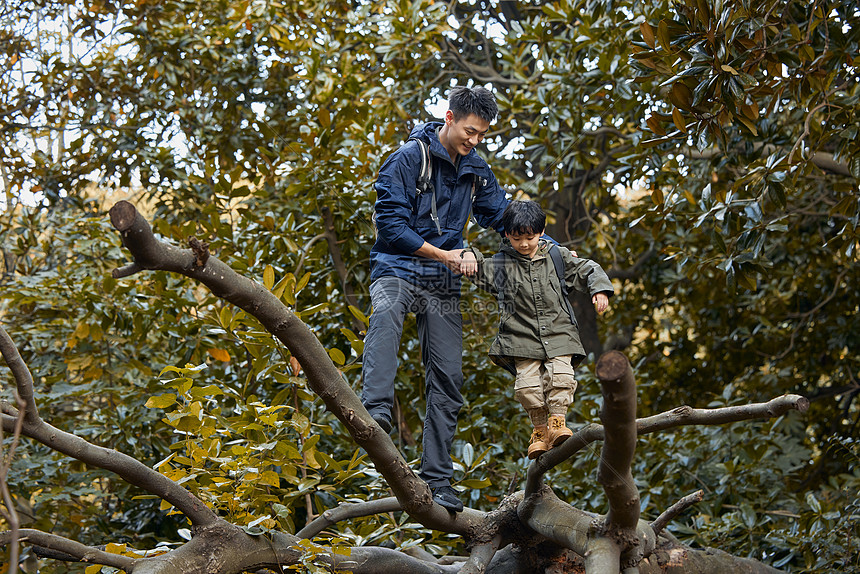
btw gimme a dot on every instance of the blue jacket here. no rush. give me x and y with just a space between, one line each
403 216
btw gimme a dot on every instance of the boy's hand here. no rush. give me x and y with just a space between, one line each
601 302
469 265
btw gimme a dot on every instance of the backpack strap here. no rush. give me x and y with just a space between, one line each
475 181
558 263
425 183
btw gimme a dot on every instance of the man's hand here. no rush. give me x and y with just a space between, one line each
452 259
468 264
601 302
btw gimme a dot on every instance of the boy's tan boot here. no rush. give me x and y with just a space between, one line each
558 431
538 443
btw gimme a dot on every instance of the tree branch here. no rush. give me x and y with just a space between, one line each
346 511
323 377
670 513
76 550
575 529
22 376
619 421
481 556
677 417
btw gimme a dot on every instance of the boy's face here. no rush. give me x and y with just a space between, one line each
465 133
524 243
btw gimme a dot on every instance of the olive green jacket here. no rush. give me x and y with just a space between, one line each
533 320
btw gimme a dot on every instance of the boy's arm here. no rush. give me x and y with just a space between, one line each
481 271
586 276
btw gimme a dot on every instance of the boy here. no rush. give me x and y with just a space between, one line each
538 339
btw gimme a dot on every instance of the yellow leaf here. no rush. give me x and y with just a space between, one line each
337 356
750 110
115 548
750 126
303 281
271 478
269 277
94 569
358 314
81 331
657 196
161 401
220 355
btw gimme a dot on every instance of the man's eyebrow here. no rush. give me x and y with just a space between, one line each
474 129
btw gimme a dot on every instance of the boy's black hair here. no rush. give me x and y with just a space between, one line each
523 217
463 101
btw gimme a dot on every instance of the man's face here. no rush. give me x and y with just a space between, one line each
524 243
465 133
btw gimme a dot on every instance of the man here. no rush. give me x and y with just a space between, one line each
413 267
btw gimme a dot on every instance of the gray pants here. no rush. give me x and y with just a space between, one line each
440 331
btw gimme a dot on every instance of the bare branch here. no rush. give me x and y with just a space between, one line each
670 513
481 556
78 551
677 417
619 420
345 511
21 374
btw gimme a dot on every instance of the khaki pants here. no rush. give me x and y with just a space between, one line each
544 388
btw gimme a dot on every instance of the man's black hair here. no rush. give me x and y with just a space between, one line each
463 101
523 217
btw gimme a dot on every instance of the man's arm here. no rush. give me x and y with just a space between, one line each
451 259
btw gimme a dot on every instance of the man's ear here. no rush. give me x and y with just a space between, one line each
449 117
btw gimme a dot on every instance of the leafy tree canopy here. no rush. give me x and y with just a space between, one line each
704 153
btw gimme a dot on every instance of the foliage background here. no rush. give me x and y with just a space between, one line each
704 153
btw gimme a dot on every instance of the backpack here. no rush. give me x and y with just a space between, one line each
424 184
500 278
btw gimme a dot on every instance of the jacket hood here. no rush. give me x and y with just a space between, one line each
426 132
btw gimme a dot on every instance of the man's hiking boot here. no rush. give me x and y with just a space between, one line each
383 423
538 443
558 431
446 496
